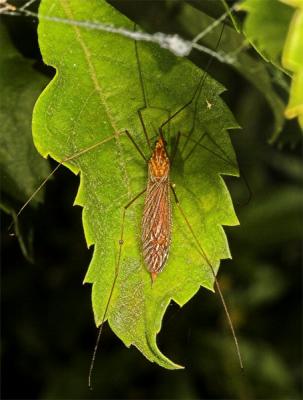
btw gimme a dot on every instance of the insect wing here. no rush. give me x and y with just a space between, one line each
156 224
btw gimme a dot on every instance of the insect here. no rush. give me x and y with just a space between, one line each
156 235
156 223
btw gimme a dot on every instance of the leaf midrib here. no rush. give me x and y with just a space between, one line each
99 90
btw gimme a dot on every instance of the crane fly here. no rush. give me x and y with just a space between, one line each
157 213
156 227
156 222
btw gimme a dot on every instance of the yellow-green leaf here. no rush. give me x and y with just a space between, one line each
96 94
293 61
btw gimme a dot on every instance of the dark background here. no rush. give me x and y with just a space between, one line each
48 332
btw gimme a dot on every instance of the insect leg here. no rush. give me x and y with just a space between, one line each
205 257
136 145
146 105
221 155
196 144
66 159
198 90
144 95
121 242
174 152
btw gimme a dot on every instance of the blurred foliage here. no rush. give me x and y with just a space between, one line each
47 326
274 17
281 33
21 168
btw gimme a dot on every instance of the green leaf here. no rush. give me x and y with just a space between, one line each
276 31
21 168
293 61
266 27
96 94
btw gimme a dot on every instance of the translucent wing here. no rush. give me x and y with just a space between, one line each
156 224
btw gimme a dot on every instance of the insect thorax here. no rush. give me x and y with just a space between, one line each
159 163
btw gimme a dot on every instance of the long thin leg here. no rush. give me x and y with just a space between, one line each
223 156
143 126
203 254
197 91
146 105
136 145
121 241
174 152
139 111
144 95
66 159
197 143
72 157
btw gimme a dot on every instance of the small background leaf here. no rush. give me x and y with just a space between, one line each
96 93
293 61
274 28
274 17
